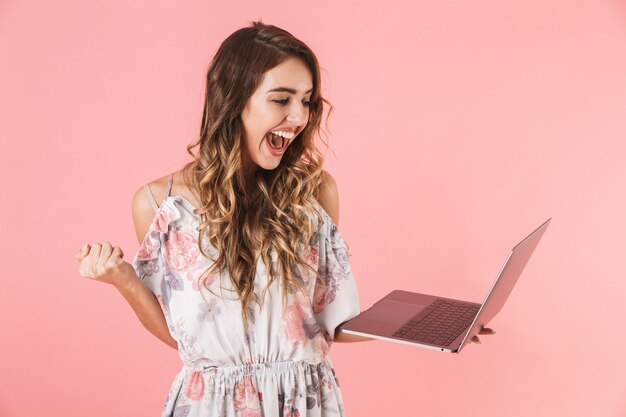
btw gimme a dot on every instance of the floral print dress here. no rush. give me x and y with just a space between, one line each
281 366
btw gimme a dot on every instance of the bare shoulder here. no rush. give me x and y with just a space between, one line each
329 196
142 209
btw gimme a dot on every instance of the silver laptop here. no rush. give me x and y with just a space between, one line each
441 323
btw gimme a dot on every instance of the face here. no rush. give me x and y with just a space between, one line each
284 110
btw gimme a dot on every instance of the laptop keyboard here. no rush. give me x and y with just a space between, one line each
439 323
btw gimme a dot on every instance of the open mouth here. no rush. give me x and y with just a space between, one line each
277 143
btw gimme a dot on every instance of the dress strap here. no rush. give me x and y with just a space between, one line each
169 185
153 202
151 198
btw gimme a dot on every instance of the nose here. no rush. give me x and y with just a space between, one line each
298 114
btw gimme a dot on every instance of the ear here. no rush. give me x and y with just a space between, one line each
329 197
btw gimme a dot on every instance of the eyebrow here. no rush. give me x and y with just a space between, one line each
287 90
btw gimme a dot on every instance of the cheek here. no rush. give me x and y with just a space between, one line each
256 143
253 136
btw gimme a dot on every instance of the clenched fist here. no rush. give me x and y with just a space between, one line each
104 263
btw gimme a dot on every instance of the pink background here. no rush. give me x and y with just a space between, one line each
459 128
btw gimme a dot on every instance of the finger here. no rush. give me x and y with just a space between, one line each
117 253
82 252
105 253
486 330
95 251
92 259
476 339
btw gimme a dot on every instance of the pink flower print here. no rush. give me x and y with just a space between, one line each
164 218
148 249
319 299
194 276
189 274
182 250
246 398
249 412
309 324
195 386
293 322
288 413
311 255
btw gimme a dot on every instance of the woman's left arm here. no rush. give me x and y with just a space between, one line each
329 199
342 337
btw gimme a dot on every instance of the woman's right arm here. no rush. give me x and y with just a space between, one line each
105 263
143 302
147 308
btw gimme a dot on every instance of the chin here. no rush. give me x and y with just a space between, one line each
270 166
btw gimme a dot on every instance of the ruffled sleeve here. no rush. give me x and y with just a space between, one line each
335 297
150 262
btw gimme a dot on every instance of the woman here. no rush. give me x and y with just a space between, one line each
242 267
254 214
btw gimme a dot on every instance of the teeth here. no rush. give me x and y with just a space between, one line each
286 135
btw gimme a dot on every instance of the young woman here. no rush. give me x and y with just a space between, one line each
241 266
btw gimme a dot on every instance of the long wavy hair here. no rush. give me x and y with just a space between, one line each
273 211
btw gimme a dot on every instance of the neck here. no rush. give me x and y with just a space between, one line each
250 170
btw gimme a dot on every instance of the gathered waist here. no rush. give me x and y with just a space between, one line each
253 368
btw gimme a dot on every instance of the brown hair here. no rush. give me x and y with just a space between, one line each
277 204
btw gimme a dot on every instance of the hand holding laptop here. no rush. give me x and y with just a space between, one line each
442 323
484 330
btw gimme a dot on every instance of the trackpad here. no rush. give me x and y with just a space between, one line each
391 311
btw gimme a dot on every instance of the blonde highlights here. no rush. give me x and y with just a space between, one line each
273 212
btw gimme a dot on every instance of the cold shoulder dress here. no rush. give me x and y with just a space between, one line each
281 367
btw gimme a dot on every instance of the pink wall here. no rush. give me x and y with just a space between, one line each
459 128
